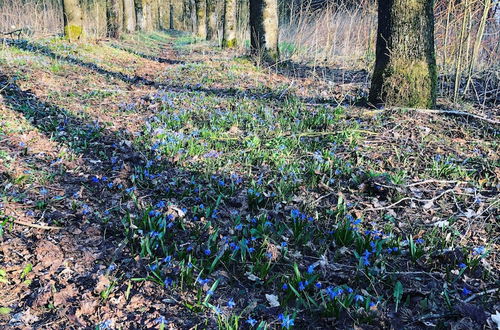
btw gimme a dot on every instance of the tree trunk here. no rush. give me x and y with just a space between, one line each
73 20
114 18
405 71
201 18
139 14
211 19
264 28
129 20
147 15
229 24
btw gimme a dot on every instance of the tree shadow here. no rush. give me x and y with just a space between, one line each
231 92
336 75
46 51
161 60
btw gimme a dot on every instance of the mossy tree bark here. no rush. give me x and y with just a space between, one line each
229 26
73 20
211 19
264 31
114 18
405 71
129 18
201 18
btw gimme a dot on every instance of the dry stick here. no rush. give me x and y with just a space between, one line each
413 199
446 112
474 296
32 225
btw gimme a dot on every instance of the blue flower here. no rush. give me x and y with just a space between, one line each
466 291
462 265
318 285
359 298
284 244
479 250
285 286
286 321
168 282
207 252
310 269
251 250
231 303
295 213
251 321
238 226
301 286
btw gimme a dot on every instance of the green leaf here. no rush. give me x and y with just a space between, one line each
5 310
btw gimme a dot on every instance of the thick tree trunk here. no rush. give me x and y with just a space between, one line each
73 20
139 14
211 19
129 20
264 30
201 18
147 15
229 27
176 12
114 18
405 71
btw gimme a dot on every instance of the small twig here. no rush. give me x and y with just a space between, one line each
413 199
452 112
32 225
474 296
433 181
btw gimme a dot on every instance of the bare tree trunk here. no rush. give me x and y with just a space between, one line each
405 70
139 14
229 27
211 19
129 19
114 18
73 20
201 18
264 28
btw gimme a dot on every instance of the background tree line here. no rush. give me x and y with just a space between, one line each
339 32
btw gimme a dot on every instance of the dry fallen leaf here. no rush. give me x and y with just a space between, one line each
273 300
496 319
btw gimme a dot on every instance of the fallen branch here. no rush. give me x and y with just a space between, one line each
32 225
474 296
412 199
452 112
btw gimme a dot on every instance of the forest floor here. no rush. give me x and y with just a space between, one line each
160 182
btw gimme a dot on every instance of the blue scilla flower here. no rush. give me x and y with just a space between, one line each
168 282
286 321
251 321
359 298
231 303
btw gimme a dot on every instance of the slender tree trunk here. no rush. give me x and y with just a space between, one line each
211 19
114 18
229 27
73 20
129 19
264 28
201 18
405 71
147 15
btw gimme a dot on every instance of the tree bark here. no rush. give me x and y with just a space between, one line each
129 19
264 29
114 18
139 14
201 18
229 26
73 20
211 19
405 71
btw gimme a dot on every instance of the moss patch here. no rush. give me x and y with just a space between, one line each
73 32
410 83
